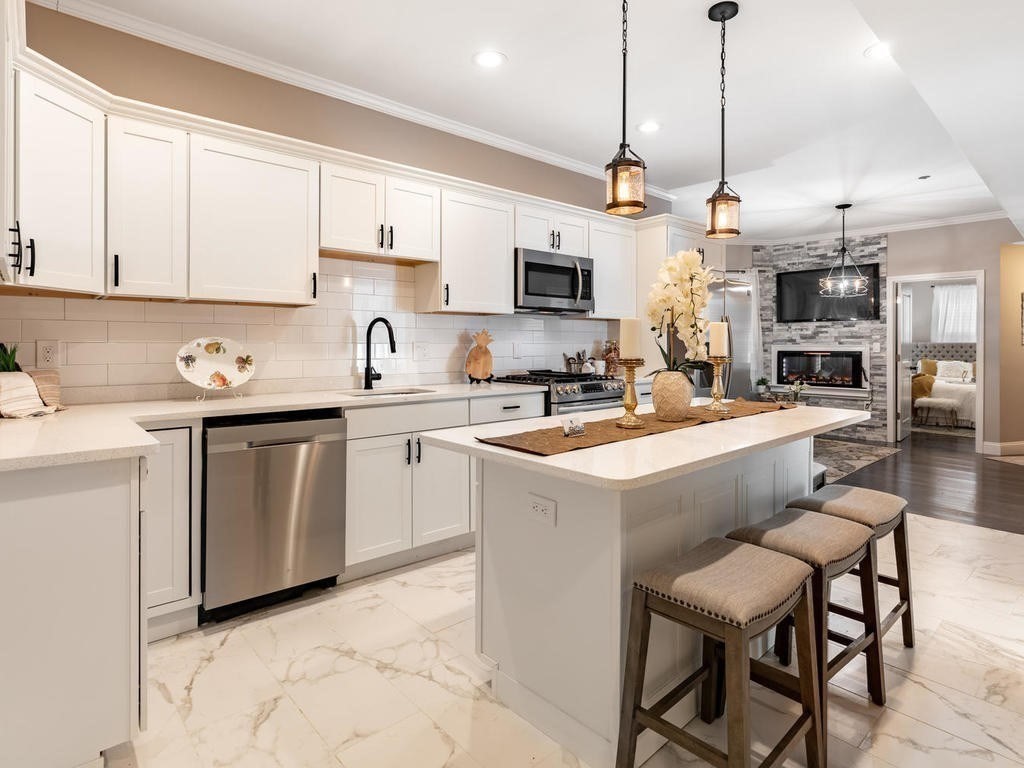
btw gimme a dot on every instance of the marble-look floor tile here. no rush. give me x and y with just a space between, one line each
416 741
561 758
434 606
909 743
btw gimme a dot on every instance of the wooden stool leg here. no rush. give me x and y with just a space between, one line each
737 697
872 623
902 546
712 693
633 679
807 664
819 613
784 641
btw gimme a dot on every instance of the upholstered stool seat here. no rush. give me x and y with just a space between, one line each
884 513
730 592
832 547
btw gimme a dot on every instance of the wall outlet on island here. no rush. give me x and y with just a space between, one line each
47 354
542 509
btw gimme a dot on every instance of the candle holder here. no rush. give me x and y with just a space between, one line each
629 420
718 387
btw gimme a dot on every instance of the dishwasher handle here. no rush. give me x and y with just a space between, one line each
250 436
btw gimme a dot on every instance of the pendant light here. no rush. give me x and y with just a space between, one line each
843 281
724 205
624 175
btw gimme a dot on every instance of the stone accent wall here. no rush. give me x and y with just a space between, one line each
818 254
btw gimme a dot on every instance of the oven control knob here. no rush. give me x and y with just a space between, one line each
560 390
622 385
578 389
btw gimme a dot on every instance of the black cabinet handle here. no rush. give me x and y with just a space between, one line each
408 451
380 237
446 294
558 241
391 238
16 245
32 257
511 407
117 270
552 239
314 285
419 450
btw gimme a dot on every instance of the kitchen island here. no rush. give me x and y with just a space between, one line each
560 538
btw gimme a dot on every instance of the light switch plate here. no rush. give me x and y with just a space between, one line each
48 354
420 351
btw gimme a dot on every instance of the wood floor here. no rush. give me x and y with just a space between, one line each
943 477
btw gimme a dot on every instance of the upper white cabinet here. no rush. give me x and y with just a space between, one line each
477 247
59 188
253 218
368 212
613 249
147 209
548 229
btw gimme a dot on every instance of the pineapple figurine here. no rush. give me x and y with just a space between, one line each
480 361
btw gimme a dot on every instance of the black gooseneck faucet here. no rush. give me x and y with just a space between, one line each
369 374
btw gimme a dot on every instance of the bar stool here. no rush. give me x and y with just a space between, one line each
883 513
832 547
730 592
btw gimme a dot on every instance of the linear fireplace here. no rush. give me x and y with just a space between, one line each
832 368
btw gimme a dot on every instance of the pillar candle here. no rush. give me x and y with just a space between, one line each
718 336
629 338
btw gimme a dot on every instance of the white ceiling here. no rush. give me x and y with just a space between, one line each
812 120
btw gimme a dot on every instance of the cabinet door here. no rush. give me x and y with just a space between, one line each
253 223
571 236
680 240
535 228
6 144
413 220
613 249
378 501
440 493
59 189
165 493
147 209
351 209
478 247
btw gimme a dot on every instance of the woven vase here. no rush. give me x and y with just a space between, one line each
672 393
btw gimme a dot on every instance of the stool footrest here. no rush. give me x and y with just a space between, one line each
677 694
848 654
843 610
798 731
889 581
894 615
699 747
775 679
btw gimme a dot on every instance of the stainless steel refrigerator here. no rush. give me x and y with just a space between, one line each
734 300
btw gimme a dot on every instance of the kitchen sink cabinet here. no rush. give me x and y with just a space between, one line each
378 507
613 249
59 188
440 493
379 215
253 224
547 229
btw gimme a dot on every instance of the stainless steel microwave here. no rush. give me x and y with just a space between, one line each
553 282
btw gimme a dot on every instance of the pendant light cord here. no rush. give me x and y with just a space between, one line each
625 50
842 250
722 88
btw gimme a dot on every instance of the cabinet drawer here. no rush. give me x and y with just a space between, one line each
418 417
485 409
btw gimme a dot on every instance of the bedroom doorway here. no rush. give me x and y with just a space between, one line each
936 356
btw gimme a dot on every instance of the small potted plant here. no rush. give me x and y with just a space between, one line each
796 389
762 385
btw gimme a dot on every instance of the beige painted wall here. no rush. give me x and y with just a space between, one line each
1011 348
959 248
139 69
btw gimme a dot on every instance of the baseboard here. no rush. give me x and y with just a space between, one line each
170 624
1004 449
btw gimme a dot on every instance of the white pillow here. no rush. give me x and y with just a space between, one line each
955 369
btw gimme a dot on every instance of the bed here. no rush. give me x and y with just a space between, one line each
951 382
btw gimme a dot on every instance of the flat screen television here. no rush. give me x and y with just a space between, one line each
797 299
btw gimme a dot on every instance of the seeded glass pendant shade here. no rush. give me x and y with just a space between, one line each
626 192
723 219
844 279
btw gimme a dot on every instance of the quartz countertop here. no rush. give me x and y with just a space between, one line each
117 430
653 458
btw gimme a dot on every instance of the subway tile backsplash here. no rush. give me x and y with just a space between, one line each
117 350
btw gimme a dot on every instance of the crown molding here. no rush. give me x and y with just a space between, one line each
867 232
94 12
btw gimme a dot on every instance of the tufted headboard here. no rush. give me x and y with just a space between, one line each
965 351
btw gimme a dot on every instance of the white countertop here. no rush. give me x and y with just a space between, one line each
112 430
653 458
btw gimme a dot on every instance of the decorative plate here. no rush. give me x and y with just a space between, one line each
213 362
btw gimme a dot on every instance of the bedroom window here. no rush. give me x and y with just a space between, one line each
955 313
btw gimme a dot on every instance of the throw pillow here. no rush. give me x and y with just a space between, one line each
921 385
929 366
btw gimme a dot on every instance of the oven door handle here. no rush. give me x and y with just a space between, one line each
560 410
579 281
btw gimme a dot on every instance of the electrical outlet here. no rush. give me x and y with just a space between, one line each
47 354
420 351
542 509
876 347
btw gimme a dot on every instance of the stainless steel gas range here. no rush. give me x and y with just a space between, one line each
573 392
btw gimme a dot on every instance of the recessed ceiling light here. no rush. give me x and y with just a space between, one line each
649 126
878 51
490 59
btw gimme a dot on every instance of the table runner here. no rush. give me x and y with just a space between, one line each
550 442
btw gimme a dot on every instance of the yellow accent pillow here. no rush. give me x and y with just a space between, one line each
921 385
931 367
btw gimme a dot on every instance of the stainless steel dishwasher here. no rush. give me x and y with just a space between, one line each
274 505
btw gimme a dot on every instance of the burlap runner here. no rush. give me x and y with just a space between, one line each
550 442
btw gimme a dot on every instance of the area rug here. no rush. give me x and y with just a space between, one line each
841 457
1018 460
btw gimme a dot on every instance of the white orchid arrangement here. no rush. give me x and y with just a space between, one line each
676 304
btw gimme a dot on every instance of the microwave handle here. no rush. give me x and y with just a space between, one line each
579 282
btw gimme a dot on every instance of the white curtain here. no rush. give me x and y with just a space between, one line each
954 313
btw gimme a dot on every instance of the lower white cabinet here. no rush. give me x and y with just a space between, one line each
165 492
401 494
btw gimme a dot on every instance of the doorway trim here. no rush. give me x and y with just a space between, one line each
891 281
